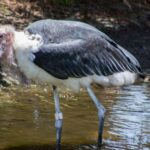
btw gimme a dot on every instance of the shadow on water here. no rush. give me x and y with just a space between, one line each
27 119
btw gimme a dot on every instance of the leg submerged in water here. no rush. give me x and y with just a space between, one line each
101 113
58 118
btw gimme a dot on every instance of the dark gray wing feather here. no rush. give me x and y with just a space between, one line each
78 59
80 54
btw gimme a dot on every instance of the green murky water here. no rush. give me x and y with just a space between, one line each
27 119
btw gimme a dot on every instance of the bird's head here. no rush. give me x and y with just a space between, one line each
6 43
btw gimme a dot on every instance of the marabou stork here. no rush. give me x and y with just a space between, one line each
71 54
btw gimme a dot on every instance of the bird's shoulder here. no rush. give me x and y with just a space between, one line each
62 30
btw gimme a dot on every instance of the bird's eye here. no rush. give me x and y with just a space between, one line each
1 36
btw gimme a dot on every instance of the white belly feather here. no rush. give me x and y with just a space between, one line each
32 71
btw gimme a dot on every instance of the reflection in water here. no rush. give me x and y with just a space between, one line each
129 117
27 119
36 115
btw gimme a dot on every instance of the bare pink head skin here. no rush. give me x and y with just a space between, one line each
6 44
7 57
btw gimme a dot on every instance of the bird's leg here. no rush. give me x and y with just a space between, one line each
101 113
58 118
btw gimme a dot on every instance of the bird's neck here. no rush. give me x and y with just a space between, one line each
21 42
18 40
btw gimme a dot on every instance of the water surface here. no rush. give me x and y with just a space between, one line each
27 118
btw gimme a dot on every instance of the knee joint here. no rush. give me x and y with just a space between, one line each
59 116
101 112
